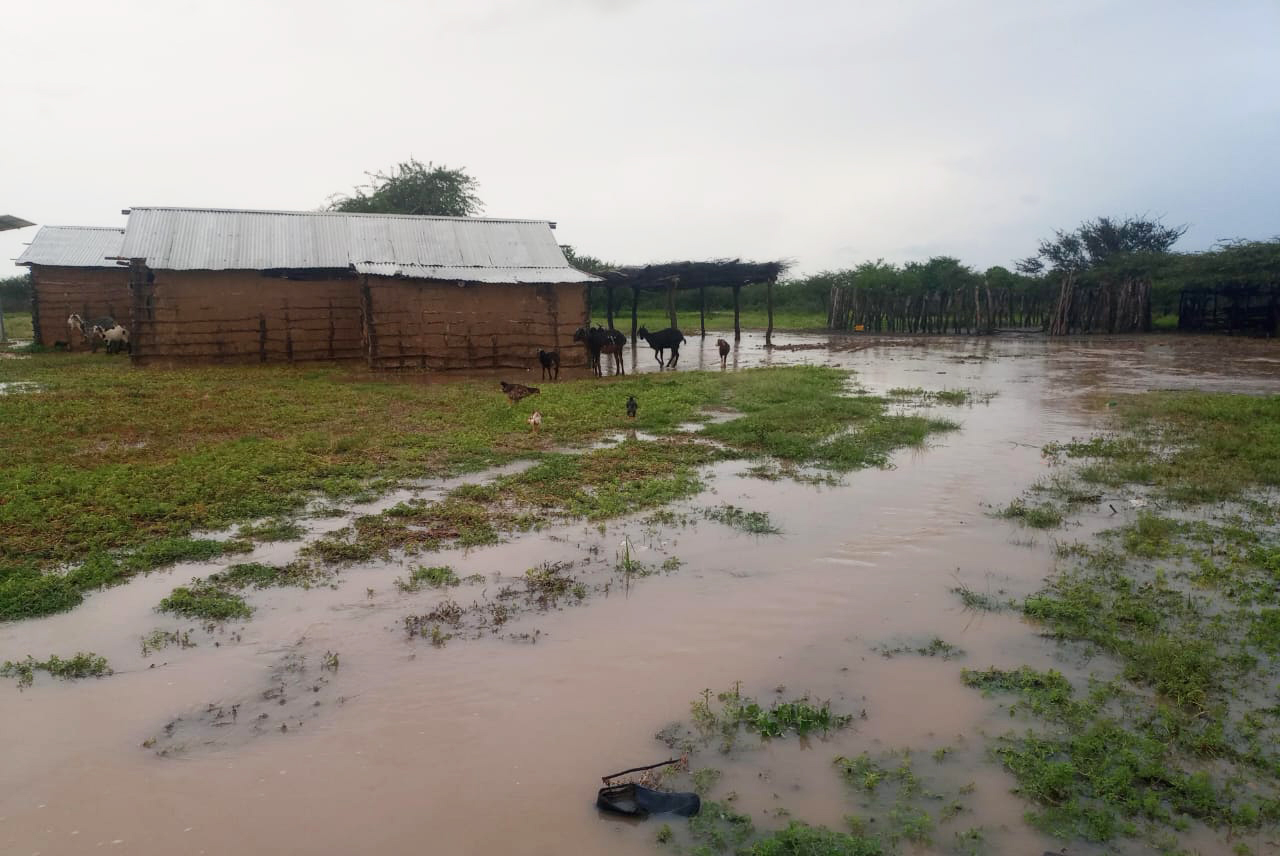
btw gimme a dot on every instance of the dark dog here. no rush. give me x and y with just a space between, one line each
723 347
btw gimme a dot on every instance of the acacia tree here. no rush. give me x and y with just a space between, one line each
1114 261
413 187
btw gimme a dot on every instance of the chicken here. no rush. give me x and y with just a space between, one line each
517 391
535 420
633 406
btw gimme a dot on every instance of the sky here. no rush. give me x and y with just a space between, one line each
824 133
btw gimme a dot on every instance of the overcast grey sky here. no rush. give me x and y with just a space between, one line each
824 132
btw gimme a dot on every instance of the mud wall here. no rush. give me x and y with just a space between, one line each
244 316
435 325
90 293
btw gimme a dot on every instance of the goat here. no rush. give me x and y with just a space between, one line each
550 362
115 336
663 339
598 340
612 343
583 335
723 347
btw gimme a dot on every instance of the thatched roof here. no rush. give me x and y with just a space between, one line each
694 274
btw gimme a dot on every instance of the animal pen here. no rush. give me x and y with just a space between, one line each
398 291
672 276
972 308
71 273
1250 308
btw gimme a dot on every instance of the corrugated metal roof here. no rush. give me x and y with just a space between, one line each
8 221
74 246
468 249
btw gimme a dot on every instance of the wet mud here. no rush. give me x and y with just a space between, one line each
248 738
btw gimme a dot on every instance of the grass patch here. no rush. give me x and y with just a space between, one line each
935 647
1043 515
110 468
434 577
1189 610
751 522
82 665
17 325
272 529
204 601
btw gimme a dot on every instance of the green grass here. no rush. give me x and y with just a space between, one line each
751 522
82 665
272 529
1191 447
111 467
205 601
17 325
1186 608
1045 515
434 577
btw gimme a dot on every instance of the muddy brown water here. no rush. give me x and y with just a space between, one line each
490 745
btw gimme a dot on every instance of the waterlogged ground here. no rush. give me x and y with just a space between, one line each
323 725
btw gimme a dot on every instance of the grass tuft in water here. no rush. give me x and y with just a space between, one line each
82 665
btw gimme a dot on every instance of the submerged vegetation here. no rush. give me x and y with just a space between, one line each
82 665
208 447
1186 606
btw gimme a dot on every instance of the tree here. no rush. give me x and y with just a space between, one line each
414 188
1115 261
582 261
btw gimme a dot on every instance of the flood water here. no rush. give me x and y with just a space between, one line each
495 744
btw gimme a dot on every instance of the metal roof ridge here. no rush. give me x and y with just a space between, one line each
119 229
332 213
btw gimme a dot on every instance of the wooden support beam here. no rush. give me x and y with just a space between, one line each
370 332
702 312
737 312
768 333
635 304
608 305
671 301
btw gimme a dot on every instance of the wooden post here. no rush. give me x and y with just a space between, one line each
370 335
671 301
635 303
768 333
589 294
737 312
702 312
140 318
608 305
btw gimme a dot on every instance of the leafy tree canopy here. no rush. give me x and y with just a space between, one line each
413 187
582 261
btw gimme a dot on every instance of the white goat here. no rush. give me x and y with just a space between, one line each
115 336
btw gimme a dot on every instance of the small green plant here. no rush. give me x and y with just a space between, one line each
981 601
705 779
82 665
1046 515
158 639
664 834
273 529
330 661
201 600
751 522
435 577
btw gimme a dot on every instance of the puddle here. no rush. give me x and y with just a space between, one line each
18 387
410 743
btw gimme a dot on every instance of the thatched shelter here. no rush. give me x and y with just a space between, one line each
672 276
